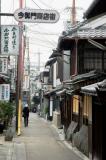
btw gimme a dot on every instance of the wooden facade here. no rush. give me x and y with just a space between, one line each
82 113
85 58
96 119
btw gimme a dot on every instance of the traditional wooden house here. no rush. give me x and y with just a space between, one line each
95 95
55 93
44 83
86 44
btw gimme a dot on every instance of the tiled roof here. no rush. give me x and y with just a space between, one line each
53 91
85 76
91 89
89 33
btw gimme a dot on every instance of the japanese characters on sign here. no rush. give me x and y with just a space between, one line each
5 92
3 65
9 40
36 15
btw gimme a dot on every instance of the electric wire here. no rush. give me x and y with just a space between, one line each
43 45
61 10
43 41
13 22
36 4
43 33
38 44
11 6
45 37
52 42
46 5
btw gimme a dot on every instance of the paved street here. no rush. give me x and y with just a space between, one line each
40 141
6 149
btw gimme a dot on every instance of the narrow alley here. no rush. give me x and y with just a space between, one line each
52 71
40 141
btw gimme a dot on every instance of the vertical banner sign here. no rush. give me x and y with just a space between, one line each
10 40
3 65
5 92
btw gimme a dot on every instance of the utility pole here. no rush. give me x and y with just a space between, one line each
0 27
28 61
73 12
27 72
19 78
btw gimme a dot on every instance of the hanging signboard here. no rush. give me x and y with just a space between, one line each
5 92
26 83
10 39
3 65
36 15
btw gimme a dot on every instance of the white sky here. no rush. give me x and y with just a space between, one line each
38 40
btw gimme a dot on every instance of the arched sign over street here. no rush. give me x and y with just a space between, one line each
36 15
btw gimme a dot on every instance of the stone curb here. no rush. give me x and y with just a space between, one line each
69 145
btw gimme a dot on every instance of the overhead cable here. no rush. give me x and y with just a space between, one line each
45 33
40 45
45 4
44 41
36 3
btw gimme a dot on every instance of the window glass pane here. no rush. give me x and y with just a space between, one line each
75 104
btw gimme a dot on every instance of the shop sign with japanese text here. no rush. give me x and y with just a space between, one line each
36 15
3 65
10 39
5 92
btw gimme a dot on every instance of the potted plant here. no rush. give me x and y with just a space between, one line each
6 114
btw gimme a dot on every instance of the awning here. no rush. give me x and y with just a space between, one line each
53 91
78 82
66 43
51 61
91 89
70 92
86 76
58 93
56 53
4 78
